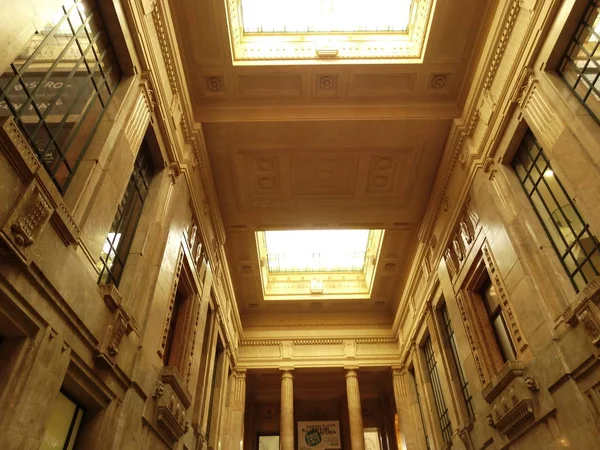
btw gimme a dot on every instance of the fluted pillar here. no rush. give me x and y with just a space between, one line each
404 408
357 436
236 414
286 431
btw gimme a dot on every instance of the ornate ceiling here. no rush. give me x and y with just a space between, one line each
325 145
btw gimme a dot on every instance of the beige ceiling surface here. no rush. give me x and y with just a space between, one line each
323 174
325 145
222 91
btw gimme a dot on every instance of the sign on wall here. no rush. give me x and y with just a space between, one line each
323 435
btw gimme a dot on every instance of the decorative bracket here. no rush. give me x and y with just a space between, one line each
585 310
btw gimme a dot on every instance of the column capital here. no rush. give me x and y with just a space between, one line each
351 372
240 373
286 373
398 371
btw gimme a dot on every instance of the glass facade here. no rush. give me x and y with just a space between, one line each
569 233
59 86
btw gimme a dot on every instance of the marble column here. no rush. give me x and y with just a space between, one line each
237 406
357 437
286 427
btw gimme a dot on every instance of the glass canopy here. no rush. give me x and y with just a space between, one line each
316 250
314 16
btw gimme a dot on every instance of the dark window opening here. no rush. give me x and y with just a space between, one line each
464 384
120 237
421 410
499 327
440 404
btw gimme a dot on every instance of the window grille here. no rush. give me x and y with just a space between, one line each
580 66
436 386
464 384
120 237
421 412
569 234
59 86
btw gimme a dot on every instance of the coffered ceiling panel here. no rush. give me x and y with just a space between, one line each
325 144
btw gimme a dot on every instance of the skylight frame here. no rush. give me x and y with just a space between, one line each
312 285
330 48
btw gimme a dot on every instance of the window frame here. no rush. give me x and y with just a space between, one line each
574 45
431 369
59 152
449 337
529 137
478 328
138 186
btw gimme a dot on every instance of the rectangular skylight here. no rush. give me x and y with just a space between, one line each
325 16
316 250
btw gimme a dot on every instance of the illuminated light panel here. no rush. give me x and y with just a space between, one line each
316 250
283 32
314 16
318 264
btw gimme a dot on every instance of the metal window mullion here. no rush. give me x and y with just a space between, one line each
421 413
553 223
560 208
72 426
39 114
57 61
579 266
39 48
96 56
68 113
52 103
577 241
76 130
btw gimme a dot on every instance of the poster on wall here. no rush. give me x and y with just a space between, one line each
323 435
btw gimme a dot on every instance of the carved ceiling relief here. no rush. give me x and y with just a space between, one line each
322 178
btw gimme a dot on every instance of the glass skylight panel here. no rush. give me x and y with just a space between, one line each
324 16
316 250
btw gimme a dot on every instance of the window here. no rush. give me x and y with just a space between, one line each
494 312
317 250
288 31
120 237
464 384
412 374
59 86
182 315
270 442
580 66
302 264
568 232
436 386
372 439
313 16
63 425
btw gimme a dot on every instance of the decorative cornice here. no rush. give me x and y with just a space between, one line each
163 39
509 25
